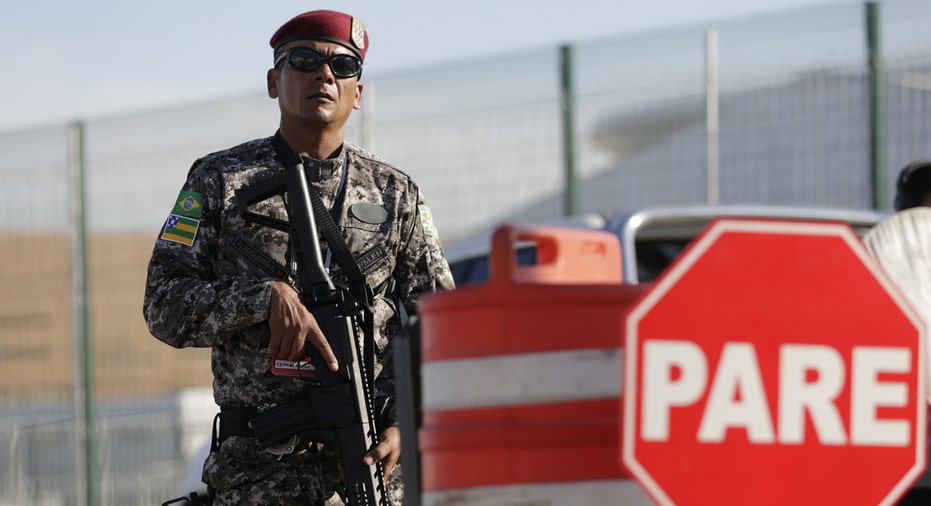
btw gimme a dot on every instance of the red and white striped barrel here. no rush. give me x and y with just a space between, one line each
522 377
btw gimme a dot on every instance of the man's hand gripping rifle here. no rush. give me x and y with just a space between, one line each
338 411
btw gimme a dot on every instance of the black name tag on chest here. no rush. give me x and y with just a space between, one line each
259 257
371 258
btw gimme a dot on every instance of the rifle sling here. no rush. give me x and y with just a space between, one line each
358 286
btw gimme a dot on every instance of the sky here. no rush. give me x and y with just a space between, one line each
64 60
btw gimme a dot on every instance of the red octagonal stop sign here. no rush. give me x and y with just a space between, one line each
774 364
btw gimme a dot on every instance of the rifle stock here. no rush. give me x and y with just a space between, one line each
339 410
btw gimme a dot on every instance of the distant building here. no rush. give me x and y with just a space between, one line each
802 143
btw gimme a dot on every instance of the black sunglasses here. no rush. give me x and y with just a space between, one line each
306 59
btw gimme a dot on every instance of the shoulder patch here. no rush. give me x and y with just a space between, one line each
188 204
180 229
426 221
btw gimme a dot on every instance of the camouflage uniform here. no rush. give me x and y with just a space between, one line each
204 289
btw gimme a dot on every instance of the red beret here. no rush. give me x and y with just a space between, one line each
330 26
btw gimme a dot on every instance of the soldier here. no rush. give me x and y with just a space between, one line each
901 245
913 187
213 278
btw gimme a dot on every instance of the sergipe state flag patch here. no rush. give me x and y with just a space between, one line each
180 229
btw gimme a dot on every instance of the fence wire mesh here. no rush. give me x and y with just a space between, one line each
484 140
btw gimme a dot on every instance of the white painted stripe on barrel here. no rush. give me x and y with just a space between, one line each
531 378
577 493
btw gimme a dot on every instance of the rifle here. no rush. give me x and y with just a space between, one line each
190 500
338 411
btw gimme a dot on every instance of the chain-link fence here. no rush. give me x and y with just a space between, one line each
483 138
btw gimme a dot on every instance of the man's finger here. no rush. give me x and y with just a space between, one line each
380 453
374 455
323 346
387 451
296 350
275 345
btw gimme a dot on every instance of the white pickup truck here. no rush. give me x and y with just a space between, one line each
651 238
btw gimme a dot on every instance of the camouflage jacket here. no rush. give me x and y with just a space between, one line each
207 286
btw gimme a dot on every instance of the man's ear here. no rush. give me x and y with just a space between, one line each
272 79
358 101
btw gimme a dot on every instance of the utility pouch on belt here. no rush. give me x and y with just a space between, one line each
312 419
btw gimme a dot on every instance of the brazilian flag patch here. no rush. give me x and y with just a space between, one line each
188 204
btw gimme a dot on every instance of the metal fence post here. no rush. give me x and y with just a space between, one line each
711 117
85 475
568 113
877 125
